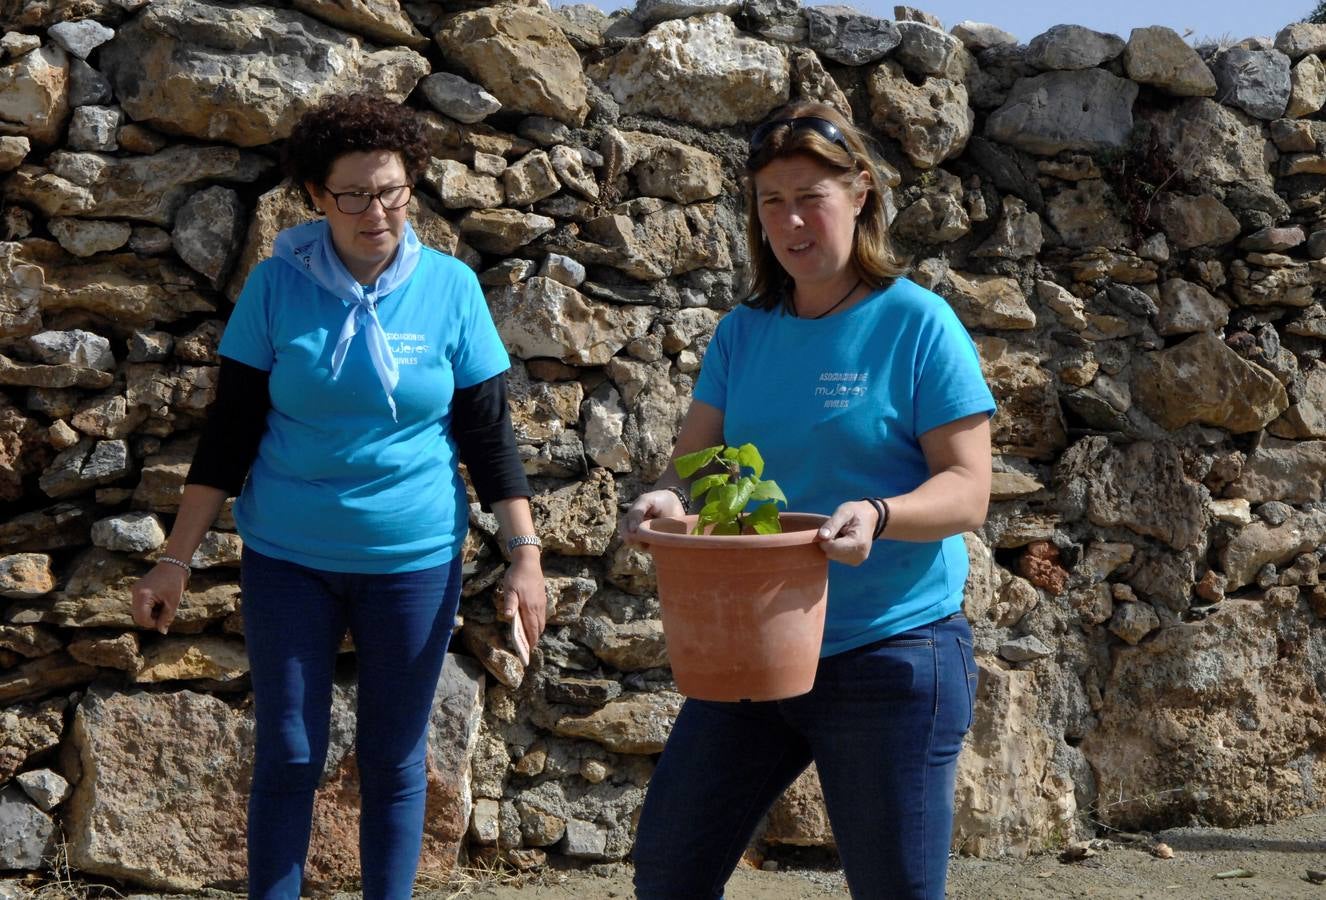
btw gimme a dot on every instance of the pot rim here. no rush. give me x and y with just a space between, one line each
805 532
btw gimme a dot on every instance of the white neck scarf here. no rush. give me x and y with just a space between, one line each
309 249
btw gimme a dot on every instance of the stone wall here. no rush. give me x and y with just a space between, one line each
1132 231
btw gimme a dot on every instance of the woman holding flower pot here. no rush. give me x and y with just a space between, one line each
864 393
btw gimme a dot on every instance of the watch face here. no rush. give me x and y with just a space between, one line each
518 642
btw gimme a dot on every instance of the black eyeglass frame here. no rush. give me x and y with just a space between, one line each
823 127
368 198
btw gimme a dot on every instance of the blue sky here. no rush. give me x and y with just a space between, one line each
1211 19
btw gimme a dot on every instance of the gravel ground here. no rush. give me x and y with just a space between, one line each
1271 862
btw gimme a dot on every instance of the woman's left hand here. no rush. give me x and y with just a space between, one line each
847 536
523 589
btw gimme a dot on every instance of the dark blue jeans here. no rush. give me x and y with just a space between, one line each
883 724
294 620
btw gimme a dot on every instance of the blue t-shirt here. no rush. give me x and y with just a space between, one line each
337 484
837 407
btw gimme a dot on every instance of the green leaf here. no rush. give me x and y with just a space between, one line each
750 458
769 490
734 500
691 463
726 528
708 516
764 520
703 485
730 454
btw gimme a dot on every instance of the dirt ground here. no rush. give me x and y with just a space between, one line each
1278 858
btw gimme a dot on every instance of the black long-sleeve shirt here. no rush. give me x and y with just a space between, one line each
237 418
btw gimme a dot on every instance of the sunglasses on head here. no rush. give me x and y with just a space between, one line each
823 127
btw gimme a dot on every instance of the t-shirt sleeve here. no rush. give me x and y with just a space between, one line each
248 337
711 386
949 383
479 354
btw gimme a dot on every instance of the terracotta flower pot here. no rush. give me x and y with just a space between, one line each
743 615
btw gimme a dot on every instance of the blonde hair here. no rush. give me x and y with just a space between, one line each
873 256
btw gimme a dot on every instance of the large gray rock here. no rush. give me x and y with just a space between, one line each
846 36
1256 81
1086 110
72 348
207 232
1306 416
522 58
1072 47
1159 57
87 86
700 71
27 835
926 50
134 532
94 128
242 74
651 12
977 36
459 98
542 317
1210 142
84 466
80 38
148 188
1187 307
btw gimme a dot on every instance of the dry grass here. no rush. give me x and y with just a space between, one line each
59 882
467 879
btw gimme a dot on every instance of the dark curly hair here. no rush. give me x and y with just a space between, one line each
353 123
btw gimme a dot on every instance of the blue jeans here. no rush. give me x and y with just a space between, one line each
883 724
294 620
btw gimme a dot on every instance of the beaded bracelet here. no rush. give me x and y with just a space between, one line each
680 495
176 562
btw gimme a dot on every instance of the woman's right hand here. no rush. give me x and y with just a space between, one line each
157 596
649 505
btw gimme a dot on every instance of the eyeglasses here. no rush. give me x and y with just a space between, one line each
352 203
823 127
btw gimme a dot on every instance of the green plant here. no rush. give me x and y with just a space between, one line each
1318 14
724 495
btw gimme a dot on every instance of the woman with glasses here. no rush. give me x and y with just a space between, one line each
358 369
865 396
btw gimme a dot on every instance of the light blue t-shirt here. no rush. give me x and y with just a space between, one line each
337 484
836 407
